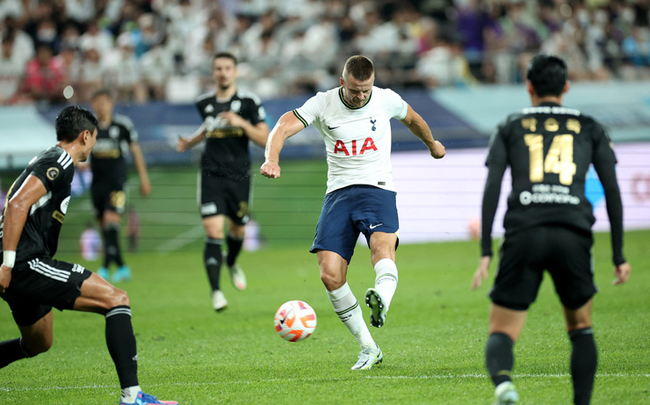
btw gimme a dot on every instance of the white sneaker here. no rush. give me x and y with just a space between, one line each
368 358
506 394
238 277
219 301
377 307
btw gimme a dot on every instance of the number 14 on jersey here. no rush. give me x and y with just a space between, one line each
558 160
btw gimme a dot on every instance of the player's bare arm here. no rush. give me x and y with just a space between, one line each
258 133
15 216
141 167
418 126
622 273
481 271
287 126
184 144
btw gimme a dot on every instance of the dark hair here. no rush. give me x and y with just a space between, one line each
72 121
103 91
548 74
225 55
359 67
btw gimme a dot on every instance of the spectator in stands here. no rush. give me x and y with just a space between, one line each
147 35
23 43
70 37
157 66
12 8
44 77
636 48
445 65
80 11
46 33
91 75
70 63
200 64
96 38
12 71
124 73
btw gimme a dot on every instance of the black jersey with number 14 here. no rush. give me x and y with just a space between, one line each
226 148
549 149
55 169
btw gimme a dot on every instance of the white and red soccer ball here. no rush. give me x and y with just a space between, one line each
295 321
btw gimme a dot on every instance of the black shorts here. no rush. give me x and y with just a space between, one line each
564 252
109 197
224 196
40 284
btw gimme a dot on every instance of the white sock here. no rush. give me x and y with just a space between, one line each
386 280
129 394
347 308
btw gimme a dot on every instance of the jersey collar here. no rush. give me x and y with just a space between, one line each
348 105
548 104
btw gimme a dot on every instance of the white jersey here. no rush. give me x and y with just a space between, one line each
358 139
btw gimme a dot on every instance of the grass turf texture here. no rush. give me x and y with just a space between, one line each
433 341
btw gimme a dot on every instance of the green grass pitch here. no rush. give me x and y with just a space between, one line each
433 340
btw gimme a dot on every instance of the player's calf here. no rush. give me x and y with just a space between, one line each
14 350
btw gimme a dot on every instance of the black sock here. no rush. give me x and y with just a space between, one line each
584 361
121 345
234 247
212 257
499 358
12 350
112 245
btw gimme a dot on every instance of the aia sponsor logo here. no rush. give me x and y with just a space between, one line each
352 148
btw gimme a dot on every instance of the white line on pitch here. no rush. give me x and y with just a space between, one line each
181 240
378 377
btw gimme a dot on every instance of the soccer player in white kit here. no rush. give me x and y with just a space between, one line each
354 121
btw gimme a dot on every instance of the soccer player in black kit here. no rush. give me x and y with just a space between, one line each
32 281
231 118
547 224
108 165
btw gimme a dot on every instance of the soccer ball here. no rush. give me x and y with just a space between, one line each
295 321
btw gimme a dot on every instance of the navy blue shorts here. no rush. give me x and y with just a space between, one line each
347 212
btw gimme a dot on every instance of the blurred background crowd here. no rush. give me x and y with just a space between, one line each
58 50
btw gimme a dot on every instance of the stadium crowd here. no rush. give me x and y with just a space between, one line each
53 50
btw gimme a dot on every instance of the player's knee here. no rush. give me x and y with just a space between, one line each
35 346
214 233
382 250
331 280
578 324
118 298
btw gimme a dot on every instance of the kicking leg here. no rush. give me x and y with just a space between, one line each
333 271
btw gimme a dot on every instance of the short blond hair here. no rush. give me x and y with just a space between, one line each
360 67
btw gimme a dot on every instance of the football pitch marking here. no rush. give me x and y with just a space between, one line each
275 380
182 240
